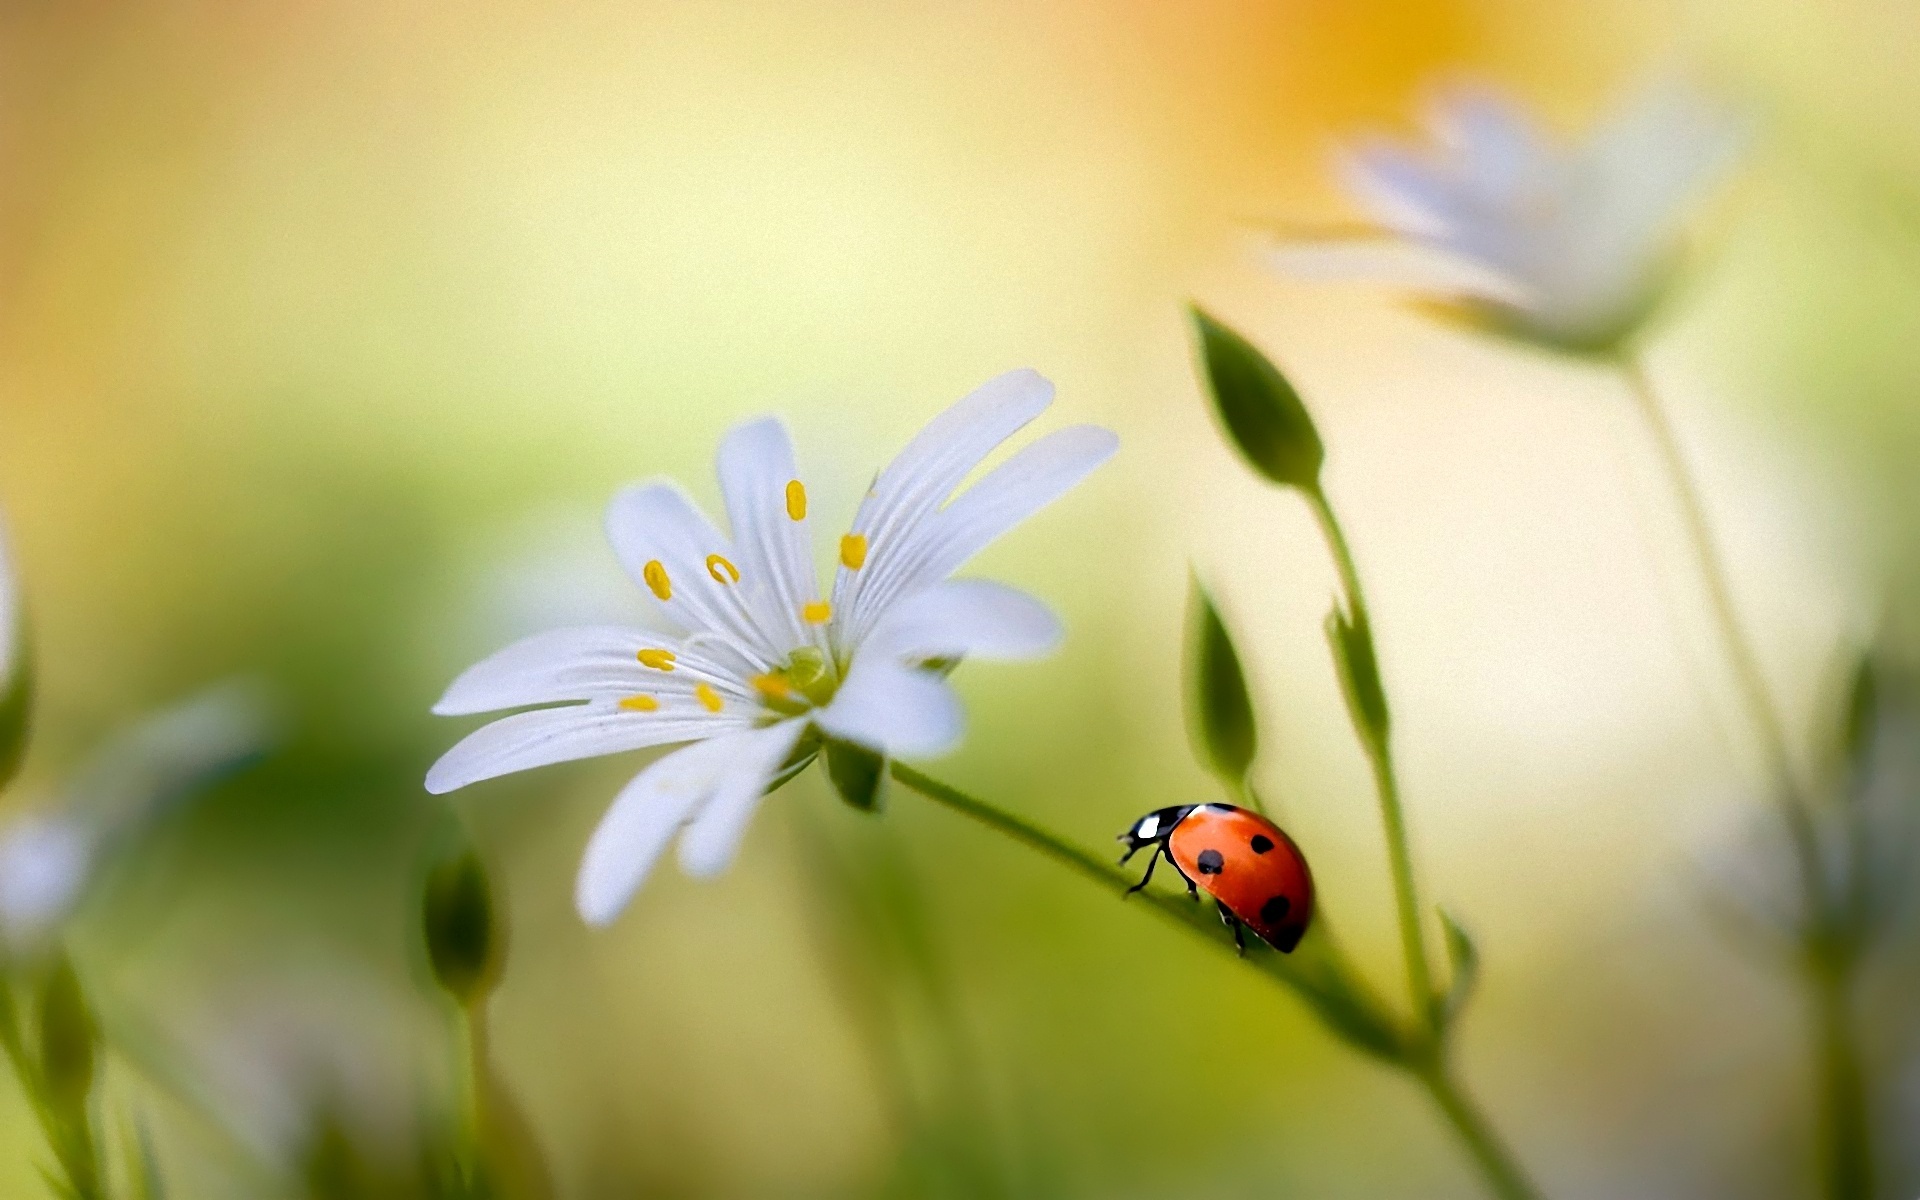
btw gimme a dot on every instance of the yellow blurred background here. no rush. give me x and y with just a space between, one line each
327 329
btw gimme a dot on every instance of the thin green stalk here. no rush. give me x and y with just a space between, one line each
1848 1170
1416 1052
1750 681
72 1147
1406 892
1496 1162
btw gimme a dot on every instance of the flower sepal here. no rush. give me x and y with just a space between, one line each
858 774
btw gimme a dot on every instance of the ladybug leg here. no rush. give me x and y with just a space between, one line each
1232 922
1152 862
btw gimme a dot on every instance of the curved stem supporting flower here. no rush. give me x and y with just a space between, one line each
1831 967
1374 739
1317 973
1495 1161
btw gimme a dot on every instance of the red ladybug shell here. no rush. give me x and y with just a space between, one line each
1248 864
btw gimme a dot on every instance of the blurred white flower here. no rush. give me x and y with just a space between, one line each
1568 245
767 666
49 855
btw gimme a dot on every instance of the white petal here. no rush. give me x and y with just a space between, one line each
894 709
911 490
652 807
973 618
658 523
756 466
553 735
1498 148
1400 188
1416 266
710 843
556 666
45 864
1030 480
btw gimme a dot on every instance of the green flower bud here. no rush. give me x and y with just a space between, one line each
1219 709
1265 418
465 943
1465 959
69 1040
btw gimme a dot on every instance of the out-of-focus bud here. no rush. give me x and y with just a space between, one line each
1263 415
466 944
858 774
68 1041
16 669
1219 709
1862 713
1465 959
1359 670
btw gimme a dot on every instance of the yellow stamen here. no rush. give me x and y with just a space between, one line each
853 551
796 500
659 660
722 570
709 699
657 581
640 704
773 687
816 612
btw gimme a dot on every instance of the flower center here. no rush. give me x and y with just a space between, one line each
805 681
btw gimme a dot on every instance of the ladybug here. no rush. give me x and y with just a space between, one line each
1256 875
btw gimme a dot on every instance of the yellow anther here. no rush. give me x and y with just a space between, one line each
853 551
773 687
722 570
640 704
659 660
796 500
708 698
657 581
816 612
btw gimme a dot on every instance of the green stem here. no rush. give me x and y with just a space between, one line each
1849 1167
1846 1144
1417 1053
72 1143
1406 892
1749 680
1495 1161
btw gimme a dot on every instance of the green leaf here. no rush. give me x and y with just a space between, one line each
1359 670
1263 415
465 942
858 774
16 679
1219 710
69 1039
1465 959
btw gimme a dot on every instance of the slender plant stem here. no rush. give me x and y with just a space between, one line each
1418 1054
1496 1162
1848 1170
1406 892
1748 677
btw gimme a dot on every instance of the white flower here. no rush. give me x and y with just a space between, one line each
1565 244
49 856
766 666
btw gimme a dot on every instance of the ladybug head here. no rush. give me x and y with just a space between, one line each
1154 827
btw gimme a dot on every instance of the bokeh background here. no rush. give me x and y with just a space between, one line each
327 328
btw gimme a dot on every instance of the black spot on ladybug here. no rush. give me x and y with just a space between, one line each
1210 862
1261 843
1274 910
